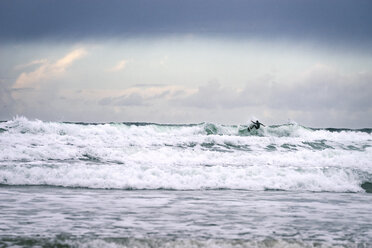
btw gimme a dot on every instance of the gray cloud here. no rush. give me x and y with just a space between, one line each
321 98
210 96
319 91
7 103
325 92
148 85
133 99
333 20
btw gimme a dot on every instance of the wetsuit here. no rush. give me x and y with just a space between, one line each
256 124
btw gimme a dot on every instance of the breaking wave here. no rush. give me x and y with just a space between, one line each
184 157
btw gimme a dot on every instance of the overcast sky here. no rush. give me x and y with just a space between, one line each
173 61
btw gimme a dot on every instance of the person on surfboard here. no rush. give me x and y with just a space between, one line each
256 125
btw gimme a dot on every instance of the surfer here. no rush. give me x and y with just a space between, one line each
256 125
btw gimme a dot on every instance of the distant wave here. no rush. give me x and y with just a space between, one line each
184 157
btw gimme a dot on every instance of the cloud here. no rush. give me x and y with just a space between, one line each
69 58
324 89
47 70
7 103
333 20
148 85
210 96
320 89
163 61
119 66
145 95
34 62
321 97
133 99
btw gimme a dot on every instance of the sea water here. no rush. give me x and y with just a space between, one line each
198 185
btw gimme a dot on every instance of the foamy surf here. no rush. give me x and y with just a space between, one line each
184 157
180 177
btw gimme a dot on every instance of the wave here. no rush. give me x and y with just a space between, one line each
146 176
184 157
23 125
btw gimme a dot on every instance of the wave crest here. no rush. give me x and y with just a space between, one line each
196 156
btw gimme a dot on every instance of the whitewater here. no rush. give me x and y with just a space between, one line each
184 157
209 184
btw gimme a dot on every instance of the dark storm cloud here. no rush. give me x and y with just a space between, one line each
76 19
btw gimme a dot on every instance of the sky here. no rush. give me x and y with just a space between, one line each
175 61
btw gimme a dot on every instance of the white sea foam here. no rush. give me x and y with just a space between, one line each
203 156
181 177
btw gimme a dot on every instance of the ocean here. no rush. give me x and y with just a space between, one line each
195 185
